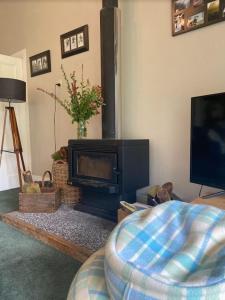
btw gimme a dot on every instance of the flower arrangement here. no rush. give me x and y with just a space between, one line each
84 100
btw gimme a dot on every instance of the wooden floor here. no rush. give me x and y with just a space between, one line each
78 252
217 201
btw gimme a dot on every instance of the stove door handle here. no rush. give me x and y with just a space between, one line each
116 171
113 189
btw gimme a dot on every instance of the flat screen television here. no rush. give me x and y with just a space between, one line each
207 163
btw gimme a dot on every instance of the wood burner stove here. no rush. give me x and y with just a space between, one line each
108 171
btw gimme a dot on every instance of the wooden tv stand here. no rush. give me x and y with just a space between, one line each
217 201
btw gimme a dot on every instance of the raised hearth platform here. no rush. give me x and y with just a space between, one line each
74 233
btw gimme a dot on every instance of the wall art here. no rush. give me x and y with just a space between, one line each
75 41
188 15
40 63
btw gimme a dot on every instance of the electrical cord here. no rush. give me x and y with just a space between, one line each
200 192
54 118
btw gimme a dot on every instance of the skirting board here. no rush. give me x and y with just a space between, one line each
11 182
8 182
77 252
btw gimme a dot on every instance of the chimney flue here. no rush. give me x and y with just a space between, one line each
110 69
109 3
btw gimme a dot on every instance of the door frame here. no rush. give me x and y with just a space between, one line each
23 55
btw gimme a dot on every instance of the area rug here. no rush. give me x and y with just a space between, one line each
82 229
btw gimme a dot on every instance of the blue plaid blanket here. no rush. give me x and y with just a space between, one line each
89 283
172 251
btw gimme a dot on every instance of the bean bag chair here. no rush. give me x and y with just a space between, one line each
173 251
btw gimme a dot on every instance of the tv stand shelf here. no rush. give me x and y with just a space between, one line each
218 201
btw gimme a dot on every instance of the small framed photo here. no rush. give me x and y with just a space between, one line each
195 20
44 62
75 41
213 10
67 45
223 10
180 5
197 3
179 23
40 63
80 39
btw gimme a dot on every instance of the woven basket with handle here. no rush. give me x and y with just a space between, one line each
46 201
69 194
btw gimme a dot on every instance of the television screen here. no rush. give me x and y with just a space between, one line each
207 164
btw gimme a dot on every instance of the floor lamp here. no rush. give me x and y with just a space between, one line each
13 91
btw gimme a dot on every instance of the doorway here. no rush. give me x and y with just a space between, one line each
14 67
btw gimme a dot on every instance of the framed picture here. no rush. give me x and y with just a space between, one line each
40 63
75 41
188 15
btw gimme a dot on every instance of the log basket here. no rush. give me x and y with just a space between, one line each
47 201
69 194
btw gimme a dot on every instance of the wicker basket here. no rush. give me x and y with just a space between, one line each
69 194
47 201
60 173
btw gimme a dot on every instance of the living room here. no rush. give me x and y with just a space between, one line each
159 75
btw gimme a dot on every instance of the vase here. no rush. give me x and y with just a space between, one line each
81 130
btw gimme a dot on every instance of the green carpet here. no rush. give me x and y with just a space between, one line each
29 269
9 201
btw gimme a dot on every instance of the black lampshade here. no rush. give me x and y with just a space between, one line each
12 90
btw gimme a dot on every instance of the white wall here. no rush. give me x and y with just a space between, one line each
37 26
160 74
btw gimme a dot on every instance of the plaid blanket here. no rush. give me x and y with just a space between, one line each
172 251
89 283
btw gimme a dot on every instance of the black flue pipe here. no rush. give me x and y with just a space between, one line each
108 67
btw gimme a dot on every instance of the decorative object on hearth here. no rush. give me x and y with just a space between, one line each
69 194
168 186
188 15
27 177
47 200
160 194
29 185
75 41
40 63
84 101
13 91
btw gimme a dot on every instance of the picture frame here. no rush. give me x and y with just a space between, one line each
40 63
188 15
75 41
